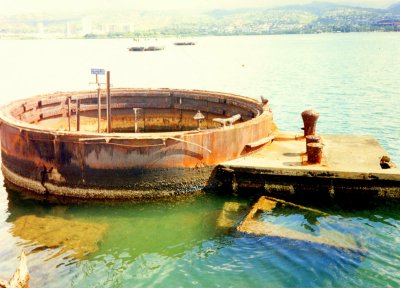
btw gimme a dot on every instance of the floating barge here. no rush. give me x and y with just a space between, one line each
55 144
184 43
147 48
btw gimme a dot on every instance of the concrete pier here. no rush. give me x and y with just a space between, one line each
350 166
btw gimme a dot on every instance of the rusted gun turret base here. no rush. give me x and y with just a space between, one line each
50 143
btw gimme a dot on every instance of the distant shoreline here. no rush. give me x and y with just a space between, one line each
307 18
5 37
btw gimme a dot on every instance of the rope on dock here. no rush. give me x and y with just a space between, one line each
108 139
192 143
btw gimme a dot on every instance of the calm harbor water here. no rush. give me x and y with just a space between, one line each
353 80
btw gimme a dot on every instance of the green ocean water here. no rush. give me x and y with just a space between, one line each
353 80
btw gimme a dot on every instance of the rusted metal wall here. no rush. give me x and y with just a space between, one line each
88 164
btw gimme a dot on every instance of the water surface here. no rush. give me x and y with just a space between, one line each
353 80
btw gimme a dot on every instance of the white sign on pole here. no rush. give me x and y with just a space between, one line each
97 71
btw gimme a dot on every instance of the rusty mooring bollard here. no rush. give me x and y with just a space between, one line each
310 118
314 153
313 139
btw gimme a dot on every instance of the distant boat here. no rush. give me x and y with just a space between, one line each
184 43
153 48
136 49
147 48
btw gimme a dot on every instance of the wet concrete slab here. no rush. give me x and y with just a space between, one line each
350 163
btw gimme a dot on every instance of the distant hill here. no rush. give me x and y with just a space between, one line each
315 17
395 8
317 8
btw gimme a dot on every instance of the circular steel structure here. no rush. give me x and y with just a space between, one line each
155 147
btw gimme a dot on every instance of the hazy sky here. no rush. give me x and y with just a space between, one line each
31 6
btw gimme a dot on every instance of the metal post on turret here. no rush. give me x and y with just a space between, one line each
78 114
97 72
135 112
69 113
109 128
98 105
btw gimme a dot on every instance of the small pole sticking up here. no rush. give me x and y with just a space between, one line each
180 114
78 116
69 113
135 111
98 105
98 72
109 128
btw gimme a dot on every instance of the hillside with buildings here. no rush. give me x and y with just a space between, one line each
310 18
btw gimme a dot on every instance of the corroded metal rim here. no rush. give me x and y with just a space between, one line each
41 155
26 113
